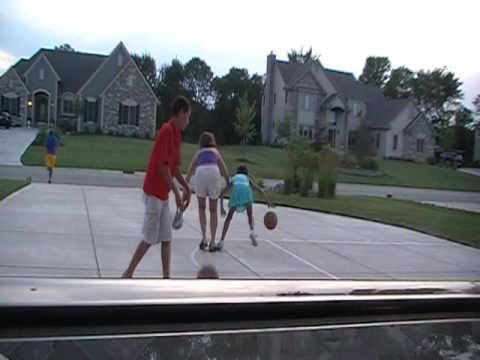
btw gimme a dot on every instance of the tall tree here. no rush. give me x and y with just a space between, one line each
64 47
376 71
476 104
228 91
198 77
244 125
302 57
438 93
147 65
400 83
171 79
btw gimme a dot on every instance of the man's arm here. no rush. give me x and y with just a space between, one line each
164 172
187 194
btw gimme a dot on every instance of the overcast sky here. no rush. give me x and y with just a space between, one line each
418 34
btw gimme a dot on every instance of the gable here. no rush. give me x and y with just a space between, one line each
41 75
122 81
106 72
11 80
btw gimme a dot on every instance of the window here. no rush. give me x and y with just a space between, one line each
420 144
90 111
41 75
378 140
286 96
130 80
120 60
307 104
68 107
352 139
274 98
263 99
10 104
128 113
332 134
395 142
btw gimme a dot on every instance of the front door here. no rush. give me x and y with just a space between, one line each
41 101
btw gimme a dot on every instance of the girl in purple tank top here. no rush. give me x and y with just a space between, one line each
208 168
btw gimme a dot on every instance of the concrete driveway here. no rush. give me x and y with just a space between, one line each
13 143
86 231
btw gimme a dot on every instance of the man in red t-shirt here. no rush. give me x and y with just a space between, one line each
163 167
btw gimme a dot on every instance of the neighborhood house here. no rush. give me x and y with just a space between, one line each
81 91
333 107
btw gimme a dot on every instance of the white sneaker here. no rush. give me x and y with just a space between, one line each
253 238
178 220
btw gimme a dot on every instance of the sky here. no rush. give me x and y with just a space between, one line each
417 34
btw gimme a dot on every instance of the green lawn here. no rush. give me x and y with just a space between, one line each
9 186
456 225
117 153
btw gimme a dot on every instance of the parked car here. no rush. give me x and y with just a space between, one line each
452 157
5 120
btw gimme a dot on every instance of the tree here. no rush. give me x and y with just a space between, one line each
476 104
244 126
228 91
170 84
64 47
400 83
301 57
198 77
148 67
437 93
376 71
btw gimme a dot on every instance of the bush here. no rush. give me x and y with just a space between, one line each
327 174
66 126
348 161
431 160
368 164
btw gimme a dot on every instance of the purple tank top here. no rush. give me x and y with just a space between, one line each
207 157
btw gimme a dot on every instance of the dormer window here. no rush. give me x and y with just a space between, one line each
120 60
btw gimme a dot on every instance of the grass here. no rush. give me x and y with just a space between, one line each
8 187
403 173
121 153
456 225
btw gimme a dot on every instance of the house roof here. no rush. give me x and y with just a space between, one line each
380 111
73 68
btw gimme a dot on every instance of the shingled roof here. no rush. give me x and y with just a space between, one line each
73 68
380 111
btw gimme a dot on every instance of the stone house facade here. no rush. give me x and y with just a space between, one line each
81 92
333 107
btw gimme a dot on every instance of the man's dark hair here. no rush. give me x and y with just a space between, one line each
180 103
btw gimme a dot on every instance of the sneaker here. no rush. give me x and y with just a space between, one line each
253 238
218 247
203 245
178 220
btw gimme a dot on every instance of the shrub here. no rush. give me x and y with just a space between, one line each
431 160
66 126
368 163
327 174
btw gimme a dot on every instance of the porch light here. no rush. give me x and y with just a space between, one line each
29 103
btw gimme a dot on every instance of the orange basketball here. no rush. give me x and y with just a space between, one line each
270 220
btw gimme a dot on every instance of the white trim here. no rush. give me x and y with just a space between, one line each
101 112
11 95
42 55
34 121
120 44
129 102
